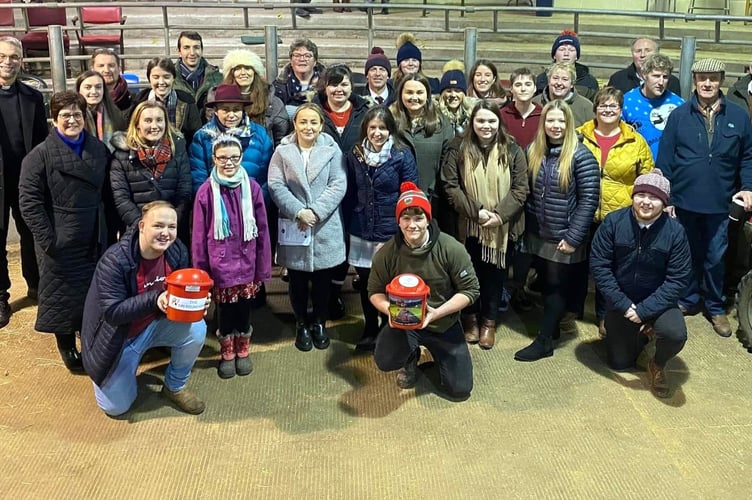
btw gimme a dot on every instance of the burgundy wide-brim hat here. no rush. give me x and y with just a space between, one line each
226 93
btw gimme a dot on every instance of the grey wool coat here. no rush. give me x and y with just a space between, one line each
320 186
61 202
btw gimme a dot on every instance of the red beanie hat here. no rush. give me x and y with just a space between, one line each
412 197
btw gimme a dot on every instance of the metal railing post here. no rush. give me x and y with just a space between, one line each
270 48
57 57
471 46
686 59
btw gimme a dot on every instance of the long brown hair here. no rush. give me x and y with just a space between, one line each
539 148
431 116
112 111
471 149
259 97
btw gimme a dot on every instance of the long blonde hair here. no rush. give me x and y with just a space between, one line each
133 138
539 148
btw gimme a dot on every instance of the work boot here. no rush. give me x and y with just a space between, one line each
303 339
5 313
470 326
185 400
407 376
542 347
721 325
487 334
243 365
226 367
318 333
658 380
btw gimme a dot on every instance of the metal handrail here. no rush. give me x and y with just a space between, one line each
371 27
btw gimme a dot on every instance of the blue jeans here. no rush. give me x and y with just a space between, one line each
708 240
186 340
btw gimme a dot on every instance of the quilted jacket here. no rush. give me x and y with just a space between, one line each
650 269
555 215
629 158
61 202
133 186
113 302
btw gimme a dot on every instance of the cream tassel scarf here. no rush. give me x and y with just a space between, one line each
489 184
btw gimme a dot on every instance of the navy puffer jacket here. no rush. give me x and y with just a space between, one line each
370 201
555 215
113 302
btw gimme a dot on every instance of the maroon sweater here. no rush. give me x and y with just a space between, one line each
522 129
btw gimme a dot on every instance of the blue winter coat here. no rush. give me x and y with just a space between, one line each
651 269
370 202
113 302
705 176
555 215
255 160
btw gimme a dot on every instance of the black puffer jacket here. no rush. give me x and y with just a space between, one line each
61 202
133 186
113 302
555 215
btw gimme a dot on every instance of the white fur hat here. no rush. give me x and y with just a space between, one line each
242 57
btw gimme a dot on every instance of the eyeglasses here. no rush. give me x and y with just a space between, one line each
306 57
224 160
608 107
15 59
67 116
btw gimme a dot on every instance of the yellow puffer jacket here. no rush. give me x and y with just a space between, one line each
629 158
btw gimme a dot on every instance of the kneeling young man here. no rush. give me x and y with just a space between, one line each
443 263
640 262
124 315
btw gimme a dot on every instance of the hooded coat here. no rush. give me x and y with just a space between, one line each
61 202
320 186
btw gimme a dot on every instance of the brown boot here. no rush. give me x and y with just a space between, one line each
337 9
487 334
658 380
185 400
470 326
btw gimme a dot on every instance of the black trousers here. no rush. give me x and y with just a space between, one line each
370 313
625 341
395 347
320 286
29 268
491 280
560 282
234 316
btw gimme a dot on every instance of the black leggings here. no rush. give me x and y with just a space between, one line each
234 317
559 280
370 313
319 293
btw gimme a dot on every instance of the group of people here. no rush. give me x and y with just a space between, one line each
226 172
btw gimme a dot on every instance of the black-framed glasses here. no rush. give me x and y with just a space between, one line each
224 160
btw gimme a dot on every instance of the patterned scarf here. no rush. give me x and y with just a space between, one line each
221 218
171 103
242 132
195 77
488 184
155 158
375 158
119 90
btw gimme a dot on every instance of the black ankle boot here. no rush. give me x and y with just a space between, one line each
336 306
542 347
320 337
303 338
66 345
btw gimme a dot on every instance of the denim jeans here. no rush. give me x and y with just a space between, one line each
117 395
707 235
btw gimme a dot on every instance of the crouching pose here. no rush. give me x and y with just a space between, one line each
124 314
640 261
444 264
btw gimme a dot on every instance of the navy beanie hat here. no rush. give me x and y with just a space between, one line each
408 50
453 79
566 38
